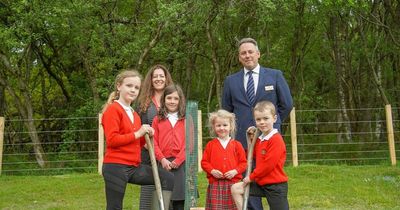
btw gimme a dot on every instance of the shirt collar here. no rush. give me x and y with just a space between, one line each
255 70
269 135
126 108
174 115
227 139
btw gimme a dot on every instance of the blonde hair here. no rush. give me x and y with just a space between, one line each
265 105
114 95
225 115
147 90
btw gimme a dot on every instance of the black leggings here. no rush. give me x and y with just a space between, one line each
116 177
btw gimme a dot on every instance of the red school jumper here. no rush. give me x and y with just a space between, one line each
270 158
121 145
169 141
217 157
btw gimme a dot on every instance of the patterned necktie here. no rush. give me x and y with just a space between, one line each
250 88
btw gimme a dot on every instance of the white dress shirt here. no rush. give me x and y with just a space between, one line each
129 110
173 118
256 75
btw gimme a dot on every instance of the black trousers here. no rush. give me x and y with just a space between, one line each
117 176
276 194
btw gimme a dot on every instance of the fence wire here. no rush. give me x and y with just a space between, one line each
323 137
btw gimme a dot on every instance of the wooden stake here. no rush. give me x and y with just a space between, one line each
250 149
293 136
157 182
100 152
1 141
389 127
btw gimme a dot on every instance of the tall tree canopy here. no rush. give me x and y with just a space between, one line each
59 58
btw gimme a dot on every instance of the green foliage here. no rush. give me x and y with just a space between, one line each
68 52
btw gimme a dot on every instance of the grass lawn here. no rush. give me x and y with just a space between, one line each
310 187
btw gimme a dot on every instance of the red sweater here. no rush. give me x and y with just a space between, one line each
224 160
270 159
122 147
169 141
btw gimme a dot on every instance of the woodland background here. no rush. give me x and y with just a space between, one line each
59 58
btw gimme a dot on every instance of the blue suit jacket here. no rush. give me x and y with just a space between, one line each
272 87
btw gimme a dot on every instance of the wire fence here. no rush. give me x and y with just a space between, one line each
323 137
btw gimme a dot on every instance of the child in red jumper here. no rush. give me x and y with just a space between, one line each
169 140
224 161
124 139
270 153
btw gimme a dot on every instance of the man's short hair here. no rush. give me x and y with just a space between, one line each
248 40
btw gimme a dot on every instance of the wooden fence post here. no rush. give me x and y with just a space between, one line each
199 140
1 141
293 136
389 127
100 146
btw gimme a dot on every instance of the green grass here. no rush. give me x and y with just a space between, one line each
310 187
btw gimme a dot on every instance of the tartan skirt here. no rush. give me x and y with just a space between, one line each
219 196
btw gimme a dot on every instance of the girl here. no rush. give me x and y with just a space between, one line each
124 139
224 161
169 140
157 78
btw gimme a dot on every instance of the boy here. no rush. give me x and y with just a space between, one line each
270 154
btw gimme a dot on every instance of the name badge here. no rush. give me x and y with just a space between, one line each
269 87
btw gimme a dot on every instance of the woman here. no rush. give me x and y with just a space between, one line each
157 78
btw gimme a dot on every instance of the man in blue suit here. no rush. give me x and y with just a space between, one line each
254 83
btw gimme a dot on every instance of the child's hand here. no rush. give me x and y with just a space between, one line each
230 174
174 165
251 131
217 174
246 180
166 164
143 130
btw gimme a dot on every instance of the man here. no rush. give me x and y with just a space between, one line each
254 83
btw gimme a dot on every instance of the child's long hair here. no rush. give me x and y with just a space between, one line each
163 112
225 115
114 95
265 105
147 90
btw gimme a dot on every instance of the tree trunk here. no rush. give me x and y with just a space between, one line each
214 54
338 62
150 46
24 106
2 101
88 68
190 67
